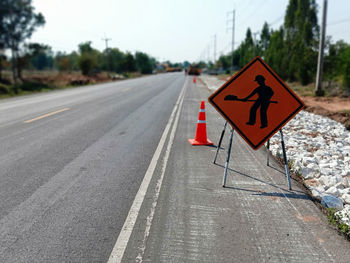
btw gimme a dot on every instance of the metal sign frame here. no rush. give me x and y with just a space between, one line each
267 161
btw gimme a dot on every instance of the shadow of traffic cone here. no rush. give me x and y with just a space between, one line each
194 79
201 132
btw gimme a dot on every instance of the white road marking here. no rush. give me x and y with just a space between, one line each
124 235
149 220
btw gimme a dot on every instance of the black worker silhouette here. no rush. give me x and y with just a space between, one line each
263 101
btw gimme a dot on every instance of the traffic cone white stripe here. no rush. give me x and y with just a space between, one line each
201 131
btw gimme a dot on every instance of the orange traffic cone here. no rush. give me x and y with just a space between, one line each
201 132
194 79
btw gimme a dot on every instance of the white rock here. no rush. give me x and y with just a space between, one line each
308 173
333 191
326 171
316 193
346 198
334 163
320 188
332 202
344 191
323 180
345 173
340 185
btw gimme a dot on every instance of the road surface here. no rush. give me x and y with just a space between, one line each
106 174
72 162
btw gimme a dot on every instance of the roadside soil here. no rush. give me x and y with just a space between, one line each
335 108
67 79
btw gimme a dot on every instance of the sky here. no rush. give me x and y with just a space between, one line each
175 30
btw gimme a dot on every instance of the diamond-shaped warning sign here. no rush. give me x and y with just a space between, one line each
256 102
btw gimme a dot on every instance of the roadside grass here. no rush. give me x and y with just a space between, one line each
227 76
308 90
48 80
331 89
335 220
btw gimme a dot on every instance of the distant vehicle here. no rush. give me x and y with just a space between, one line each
171 69
193 70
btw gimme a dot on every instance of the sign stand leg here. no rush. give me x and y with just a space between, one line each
219 145
285 161
228 159
268 153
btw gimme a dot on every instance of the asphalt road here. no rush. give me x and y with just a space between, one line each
72 162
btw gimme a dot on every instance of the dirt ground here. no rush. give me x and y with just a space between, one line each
330 104
335 108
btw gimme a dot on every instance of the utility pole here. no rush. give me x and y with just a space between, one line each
106 40
208 54
319 91
233 34
214 49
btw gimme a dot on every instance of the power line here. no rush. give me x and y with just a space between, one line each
276 21
338 22
259 7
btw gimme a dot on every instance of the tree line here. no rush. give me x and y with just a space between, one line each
292 49
90 60
18 21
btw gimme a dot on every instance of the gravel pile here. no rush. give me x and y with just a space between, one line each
319 150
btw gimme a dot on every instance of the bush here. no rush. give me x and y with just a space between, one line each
33 86
4 89
87 63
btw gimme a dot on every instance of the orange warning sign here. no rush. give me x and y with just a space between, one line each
256 102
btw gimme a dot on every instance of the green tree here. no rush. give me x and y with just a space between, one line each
18 22
276 53
88 59
264 39
87 63
40 56
245 51
2 60
143 63
114 59
332 67
301 40
344 67
129 63
224 62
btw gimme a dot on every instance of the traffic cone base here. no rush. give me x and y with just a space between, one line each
195 142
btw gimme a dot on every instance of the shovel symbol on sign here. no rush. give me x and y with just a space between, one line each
263 101
233 97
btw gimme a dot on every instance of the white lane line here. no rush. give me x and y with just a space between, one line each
149 220
124 235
